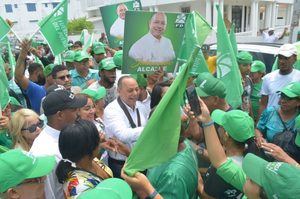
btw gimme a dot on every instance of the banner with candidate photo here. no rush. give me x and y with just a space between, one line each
152 40
113 17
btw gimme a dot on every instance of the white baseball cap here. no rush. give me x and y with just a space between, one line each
271 29
287 50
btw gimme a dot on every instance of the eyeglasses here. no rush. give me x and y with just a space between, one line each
64 77
33 127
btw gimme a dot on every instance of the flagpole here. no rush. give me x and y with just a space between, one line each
19 39
34 33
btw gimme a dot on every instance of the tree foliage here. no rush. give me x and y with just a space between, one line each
75 26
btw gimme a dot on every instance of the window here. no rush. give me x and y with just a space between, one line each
54 4
186 9
8 8
33 21
46 5
31 7
16 5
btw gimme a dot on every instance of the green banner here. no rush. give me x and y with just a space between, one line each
113 17
155 43
54 28
4 28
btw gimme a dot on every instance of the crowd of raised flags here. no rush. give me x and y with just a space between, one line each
158 142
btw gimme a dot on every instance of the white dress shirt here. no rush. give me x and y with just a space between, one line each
47 144
117 29
152 50
117 125
270 39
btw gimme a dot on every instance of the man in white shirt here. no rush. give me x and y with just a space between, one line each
60 107
276 80
269 35
124 119
117 29
153 48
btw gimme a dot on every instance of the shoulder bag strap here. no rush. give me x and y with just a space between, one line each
124 108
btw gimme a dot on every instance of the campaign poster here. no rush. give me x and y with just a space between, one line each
152 40
113 17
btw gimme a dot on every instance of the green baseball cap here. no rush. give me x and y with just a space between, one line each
297 127
68 56
238 124
292 90
95 94
244 57
112 188
81 55
140 79
118 58
258 66
107 64
278 179
17 166
98 48
208 85
48 70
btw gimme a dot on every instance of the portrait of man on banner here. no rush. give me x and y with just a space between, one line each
154 48
117 28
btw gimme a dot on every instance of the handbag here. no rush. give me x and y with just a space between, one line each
286 140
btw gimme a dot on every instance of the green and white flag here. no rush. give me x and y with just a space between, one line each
227 67
54 28
88 43
161 134
4 96
196 31
4 28
83 36
232 38
58 60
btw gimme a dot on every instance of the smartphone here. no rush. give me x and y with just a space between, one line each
193 100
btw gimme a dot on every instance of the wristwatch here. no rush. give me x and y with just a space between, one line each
200 151
152 195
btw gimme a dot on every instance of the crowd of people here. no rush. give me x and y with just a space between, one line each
67 129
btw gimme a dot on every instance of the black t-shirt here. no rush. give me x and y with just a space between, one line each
216 187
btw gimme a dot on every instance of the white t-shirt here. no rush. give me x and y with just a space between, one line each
274 82
152 50
117 29
270 39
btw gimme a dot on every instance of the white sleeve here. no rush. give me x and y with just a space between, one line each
115 125
264 87
134 51
113 29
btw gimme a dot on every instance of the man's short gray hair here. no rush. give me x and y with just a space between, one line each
165 16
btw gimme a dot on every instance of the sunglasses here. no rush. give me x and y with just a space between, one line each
64 77
33 127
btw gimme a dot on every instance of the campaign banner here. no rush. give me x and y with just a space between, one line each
152 40
113 17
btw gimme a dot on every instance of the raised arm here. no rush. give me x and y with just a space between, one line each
22 81
283 33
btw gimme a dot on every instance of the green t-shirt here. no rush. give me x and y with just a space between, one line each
177 178
5 139
232 173
255 98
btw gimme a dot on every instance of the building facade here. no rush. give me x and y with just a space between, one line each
248 15
26 13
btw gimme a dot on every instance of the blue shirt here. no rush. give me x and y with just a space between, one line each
270 124
35 94
80 81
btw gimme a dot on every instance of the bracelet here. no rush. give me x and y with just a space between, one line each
152 195
207 124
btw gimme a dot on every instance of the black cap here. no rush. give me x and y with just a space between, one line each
59 100
54 87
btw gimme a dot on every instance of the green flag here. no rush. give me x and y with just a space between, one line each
4 28
4 96
37 60
161 134
54 28
58 60
233 39
83 35
227 67
11 58
196 31
88 43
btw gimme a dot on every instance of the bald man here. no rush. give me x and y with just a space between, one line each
117 29
153 48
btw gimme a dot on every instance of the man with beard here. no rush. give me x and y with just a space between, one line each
107 73
34 91
36 74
